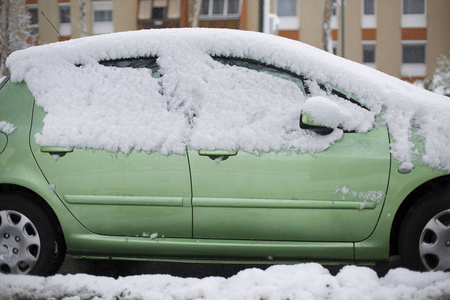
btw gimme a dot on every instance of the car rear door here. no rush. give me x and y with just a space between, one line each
133 194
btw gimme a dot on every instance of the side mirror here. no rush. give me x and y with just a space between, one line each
307 124
321 115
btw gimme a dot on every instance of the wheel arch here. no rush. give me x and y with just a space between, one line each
442 182
18 189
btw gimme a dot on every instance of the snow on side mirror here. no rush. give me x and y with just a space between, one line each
321 115
307 124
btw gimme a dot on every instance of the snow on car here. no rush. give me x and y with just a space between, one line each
230 145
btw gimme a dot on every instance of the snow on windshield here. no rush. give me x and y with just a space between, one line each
203 104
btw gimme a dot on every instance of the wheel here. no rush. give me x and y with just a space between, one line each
424 240
29 240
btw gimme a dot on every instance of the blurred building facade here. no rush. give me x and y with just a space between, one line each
400 37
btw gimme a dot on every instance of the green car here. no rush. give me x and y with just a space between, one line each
217 145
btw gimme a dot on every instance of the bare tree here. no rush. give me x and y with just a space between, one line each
194 12
4 36
82 9
15 34
15 26
326 30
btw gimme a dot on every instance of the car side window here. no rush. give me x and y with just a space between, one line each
318 89
343 95
260 67
136 63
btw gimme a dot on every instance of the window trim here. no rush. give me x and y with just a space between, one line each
415 43
289 22
102 27
369 21
414 69
225 14
414 20
64 28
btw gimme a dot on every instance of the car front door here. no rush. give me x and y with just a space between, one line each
333 195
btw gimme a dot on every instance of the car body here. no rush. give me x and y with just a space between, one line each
185 145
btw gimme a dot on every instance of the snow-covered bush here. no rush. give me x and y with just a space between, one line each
439 82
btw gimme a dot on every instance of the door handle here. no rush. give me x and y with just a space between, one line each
216 153
55 150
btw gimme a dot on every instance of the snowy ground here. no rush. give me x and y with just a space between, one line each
303 281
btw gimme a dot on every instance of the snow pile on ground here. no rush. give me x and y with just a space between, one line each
201 103
305 281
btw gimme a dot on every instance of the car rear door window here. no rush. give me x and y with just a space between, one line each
136 63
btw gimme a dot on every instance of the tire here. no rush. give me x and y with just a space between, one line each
424 239
30 242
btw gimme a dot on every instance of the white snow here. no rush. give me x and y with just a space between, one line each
303 281
346 194
203 104
7 127
338 112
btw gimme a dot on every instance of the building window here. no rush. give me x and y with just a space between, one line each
220 8
414 13
154 9
159 13
414 59
64 19
413 54
159 9
369 7
369 18
413 7
102 16
286 8
33 13
64 13
287 11
368 54
233 7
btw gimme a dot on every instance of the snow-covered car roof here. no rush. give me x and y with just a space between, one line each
200 103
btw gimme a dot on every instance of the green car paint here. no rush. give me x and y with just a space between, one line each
114 194
290 196
281 207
